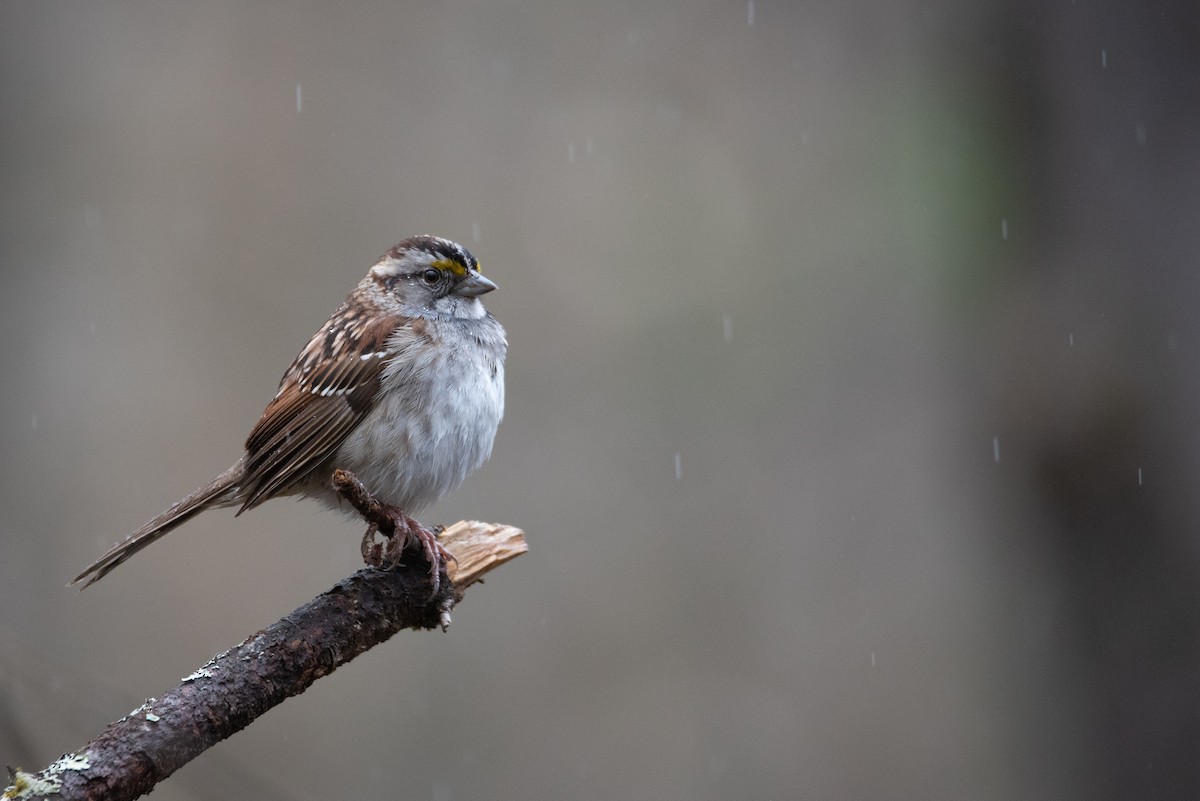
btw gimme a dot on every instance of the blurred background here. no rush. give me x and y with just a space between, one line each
853 391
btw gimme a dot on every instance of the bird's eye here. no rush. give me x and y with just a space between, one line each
431 276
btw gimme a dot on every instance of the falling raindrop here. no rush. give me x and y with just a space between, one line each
1071 338
678 468
1103 58
1139 133
872 659
750 13
299 99
1004 229
996 449
1139 476
727 325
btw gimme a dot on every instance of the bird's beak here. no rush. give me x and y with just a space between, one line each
474 285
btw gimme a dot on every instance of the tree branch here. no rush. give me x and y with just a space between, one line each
234 688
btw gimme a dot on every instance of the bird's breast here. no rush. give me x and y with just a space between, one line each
440 403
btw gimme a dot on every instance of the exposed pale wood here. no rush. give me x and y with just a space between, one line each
480 548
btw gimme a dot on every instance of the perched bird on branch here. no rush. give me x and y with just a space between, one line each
403 386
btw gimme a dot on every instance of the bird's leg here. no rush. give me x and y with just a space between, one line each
401 530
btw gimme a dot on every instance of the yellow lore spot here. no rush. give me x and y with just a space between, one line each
452 266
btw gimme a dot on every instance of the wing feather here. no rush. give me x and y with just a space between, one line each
326 392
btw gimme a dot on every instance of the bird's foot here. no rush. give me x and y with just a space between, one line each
409 533
400 530
372 551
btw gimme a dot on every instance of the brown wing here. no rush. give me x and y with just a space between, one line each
326 392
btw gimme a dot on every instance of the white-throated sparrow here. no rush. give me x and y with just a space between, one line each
404 387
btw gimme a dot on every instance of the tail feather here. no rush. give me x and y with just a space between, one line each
217 493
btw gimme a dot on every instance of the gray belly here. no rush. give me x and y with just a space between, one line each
419 444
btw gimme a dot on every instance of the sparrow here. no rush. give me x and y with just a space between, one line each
403 387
